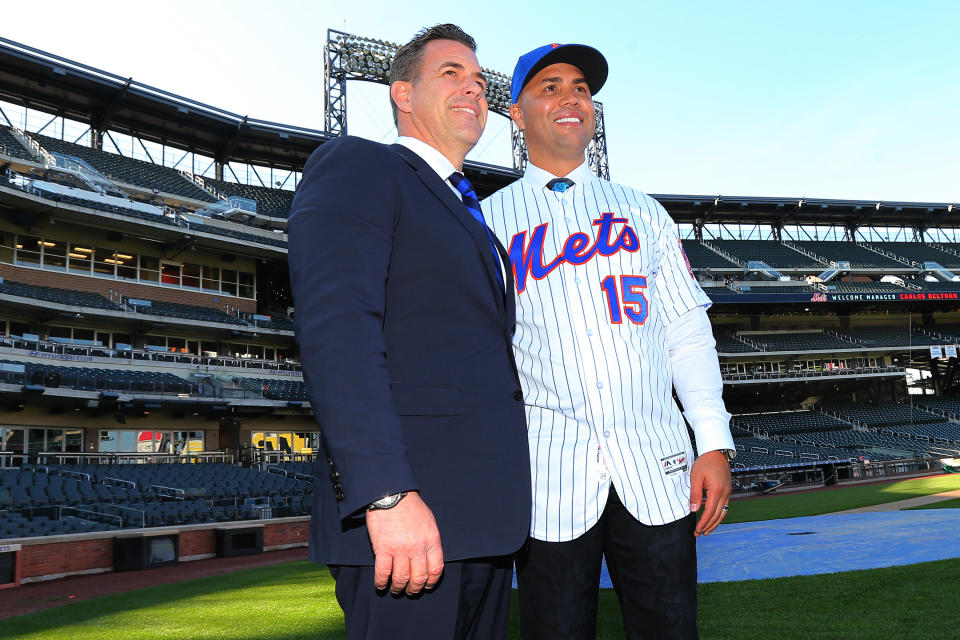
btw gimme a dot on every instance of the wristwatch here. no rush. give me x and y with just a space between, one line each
729 454
386 502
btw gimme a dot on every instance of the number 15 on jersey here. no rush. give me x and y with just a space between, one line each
627 298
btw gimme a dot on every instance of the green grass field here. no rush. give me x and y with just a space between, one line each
293 601
813 503
296 600
945 504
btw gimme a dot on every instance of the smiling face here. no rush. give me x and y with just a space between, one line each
444 105
556 113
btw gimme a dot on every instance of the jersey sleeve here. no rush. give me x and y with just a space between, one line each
675 287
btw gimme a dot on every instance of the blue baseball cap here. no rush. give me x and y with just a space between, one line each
590 61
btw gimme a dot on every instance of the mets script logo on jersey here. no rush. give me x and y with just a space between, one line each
527 258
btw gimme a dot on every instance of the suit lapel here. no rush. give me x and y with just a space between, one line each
443 192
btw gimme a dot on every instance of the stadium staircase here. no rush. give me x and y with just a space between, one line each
86 174
836 269
765 271
939 272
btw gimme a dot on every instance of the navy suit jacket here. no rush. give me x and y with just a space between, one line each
405 338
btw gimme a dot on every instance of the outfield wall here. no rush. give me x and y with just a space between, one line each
54 557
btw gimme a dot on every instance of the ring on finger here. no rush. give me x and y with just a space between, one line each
726 507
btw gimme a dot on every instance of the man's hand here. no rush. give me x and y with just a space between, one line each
710 473
406 544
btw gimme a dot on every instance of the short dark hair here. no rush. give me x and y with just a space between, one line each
407 62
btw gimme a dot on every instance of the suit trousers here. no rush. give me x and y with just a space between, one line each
653 570
470 602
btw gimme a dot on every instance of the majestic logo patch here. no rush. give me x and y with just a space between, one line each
674 463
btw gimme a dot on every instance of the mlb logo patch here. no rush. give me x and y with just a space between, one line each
686 259
674 463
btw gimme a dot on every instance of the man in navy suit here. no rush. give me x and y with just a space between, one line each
404 327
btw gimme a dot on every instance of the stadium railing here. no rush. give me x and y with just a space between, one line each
107 458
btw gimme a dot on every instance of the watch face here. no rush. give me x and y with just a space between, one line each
387 502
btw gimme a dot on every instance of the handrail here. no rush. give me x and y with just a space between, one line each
60 511
168 492
114 481
8 459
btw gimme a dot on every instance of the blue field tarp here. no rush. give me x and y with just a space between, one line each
827 544
824 544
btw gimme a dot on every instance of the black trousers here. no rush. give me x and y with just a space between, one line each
653 570
471 602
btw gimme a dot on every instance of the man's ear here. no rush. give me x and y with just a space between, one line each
400 93
516 114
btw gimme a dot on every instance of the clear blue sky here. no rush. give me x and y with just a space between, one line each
840 99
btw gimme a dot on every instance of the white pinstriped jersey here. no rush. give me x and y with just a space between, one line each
600 273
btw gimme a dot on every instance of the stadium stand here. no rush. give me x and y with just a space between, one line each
270 202
274 320
935 286
277 389
184 311
870 443
800 341
858 257
11 146
81 198
881 415
140 173
755 288
775 254
101 379
919 252
76 498
788 422
864 287
947 432
59 296
947 407
895 336
703 258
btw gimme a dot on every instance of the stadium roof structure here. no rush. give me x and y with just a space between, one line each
56 85
706 209
59 86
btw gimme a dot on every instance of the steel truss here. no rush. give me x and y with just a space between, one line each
351 57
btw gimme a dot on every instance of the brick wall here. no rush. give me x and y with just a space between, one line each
286 533
66 558
103 287
75 554
198 542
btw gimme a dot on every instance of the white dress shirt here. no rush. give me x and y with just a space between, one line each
609 320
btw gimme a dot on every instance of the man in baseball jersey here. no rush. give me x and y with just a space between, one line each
404 334
609 320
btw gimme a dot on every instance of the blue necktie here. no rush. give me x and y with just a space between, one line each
560 184
461 184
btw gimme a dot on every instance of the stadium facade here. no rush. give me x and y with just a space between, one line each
145 312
